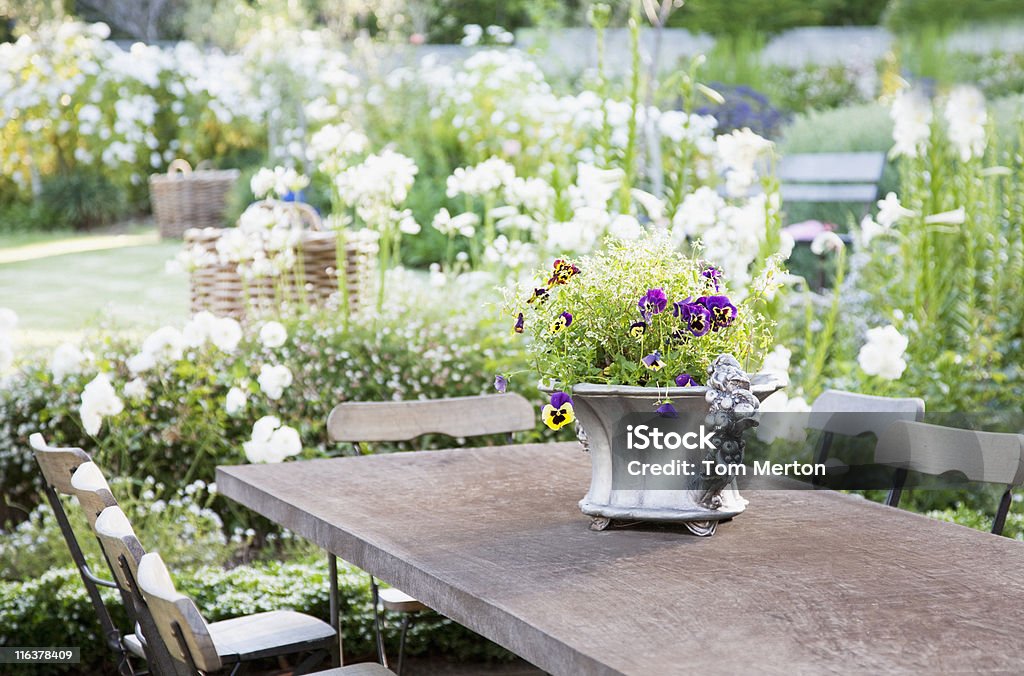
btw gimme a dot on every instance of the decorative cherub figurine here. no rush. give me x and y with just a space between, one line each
733 408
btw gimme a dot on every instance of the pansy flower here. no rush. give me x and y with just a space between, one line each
562 321
653 302
713 275
518 328
638 329
696 316
685 380
558 413
500 383
723 312
539 296
562 273
667 410
653 361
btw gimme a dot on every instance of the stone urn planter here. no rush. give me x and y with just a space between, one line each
611 418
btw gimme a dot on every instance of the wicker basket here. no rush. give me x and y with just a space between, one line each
220 289
184 199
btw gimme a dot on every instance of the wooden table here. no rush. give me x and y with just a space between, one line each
803 582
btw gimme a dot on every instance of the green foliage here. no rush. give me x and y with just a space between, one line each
731 17
909 15
602 345
81 199
982 519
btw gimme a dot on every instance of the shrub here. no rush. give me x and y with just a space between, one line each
907 15
81 199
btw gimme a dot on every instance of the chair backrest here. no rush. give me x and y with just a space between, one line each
852 414
831 177
179 622
359 421
57 464
90 487
989 457
120 545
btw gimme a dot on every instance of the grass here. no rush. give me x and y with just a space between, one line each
57 298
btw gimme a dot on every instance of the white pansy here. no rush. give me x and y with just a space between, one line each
67 360
966 119
274 379
136 389
271 441
225 333
882 353
827 241
235 401
890 210
912 119
273 334
98 400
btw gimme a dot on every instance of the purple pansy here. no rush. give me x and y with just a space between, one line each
685 380
653 302
562 321
723 312
539 296
638 329
667 410
713 275
653 361
696 316
500 383
518 328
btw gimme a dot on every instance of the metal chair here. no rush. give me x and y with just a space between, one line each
62 469
393 421
199 648
851 414
988 457
237 641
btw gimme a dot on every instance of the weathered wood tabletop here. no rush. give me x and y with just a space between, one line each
803 582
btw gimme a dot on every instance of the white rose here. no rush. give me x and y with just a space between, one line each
140 363
226 333
274 379
197 330
882 354
235 401
136 389
98 400
783 418
273 335
67 360
271 441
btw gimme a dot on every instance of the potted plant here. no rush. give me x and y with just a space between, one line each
640 333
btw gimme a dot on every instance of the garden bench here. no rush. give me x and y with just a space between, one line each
392 421
831 177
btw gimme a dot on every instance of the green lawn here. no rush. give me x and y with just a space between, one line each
58 297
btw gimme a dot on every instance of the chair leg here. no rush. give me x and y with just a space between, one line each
406 619
1004 509
332 573
378 622
898 481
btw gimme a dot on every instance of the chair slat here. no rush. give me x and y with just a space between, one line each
989 457
57 464
860 167
405 420
829 192
837 412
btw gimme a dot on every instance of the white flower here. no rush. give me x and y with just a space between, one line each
197 330
738 152
966 118
487 177
271 441
882 354
235 401
98 400
698 212
273 334
226 333
136 389
164 344
654 206
6 355
262 183
955 217
625 227
827 241
471 35
67 360
274 379
140 363
777 363
869 229
594 187
912 118
890 211
783 418
408 225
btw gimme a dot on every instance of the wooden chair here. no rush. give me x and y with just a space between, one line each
393 421
850 414
199 648
236 641
989 457
60 469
